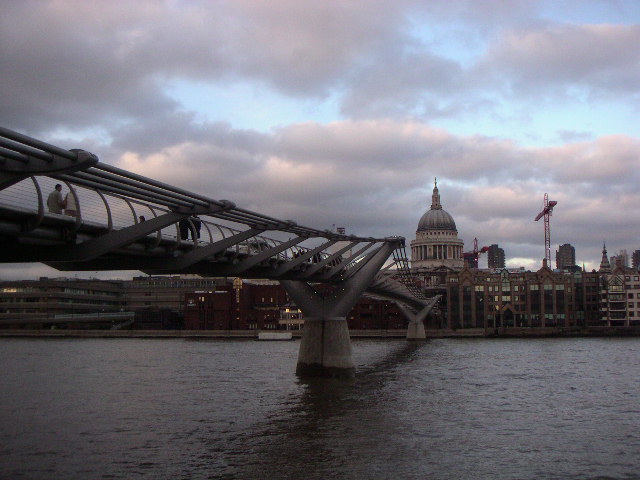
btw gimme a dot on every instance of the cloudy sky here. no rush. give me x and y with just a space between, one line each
343 112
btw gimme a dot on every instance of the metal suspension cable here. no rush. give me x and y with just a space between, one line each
156 183
119 181
406 277
123 190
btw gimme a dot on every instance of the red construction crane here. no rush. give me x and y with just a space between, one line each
546 213
472 257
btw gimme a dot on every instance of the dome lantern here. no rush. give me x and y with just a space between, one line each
436 218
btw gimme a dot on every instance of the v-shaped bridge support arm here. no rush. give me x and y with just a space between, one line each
325 349
415 329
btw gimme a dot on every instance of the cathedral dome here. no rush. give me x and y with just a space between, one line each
436 218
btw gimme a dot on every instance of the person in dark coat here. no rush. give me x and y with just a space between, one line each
184 229
197 224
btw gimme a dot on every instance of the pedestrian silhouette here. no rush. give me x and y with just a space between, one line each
55 201
197 224
184 228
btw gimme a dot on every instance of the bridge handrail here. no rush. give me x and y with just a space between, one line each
20 154
137 207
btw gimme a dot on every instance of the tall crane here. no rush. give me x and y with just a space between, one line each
546 213
472 257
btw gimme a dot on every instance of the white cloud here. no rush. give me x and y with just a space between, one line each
98 75
568 59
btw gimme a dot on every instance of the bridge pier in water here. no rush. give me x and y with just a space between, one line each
325 348
415 329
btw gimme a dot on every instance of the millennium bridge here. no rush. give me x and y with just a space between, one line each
117 220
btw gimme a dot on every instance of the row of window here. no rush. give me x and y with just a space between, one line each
76 291
175 283
534 316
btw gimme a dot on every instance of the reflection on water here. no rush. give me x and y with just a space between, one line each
129 408
337 426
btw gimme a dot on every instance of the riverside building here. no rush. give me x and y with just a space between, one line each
619 293
484 299
168 302
48 302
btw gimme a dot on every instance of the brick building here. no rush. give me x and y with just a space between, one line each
238 306
258 306
482 299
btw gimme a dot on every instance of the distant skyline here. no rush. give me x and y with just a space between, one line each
343 112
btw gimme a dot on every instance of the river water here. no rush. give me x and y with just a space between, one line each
442 409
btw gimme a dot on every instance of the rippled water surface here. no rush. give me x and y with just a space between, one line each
443 409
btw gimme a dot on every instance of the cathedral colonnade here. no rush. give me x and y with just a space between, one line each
436 252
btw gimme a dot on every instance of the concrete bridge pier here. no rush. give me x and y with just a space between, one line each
415 329
325 348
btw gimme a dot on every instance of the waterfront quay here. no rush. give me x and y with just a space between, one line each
502 332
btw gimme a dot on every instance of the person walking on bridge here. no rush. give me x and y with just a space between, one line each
70 207
55 201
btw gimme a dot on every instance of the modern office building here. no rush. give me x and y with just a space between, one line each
620 259
48 302
565 257
495 257
165 292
